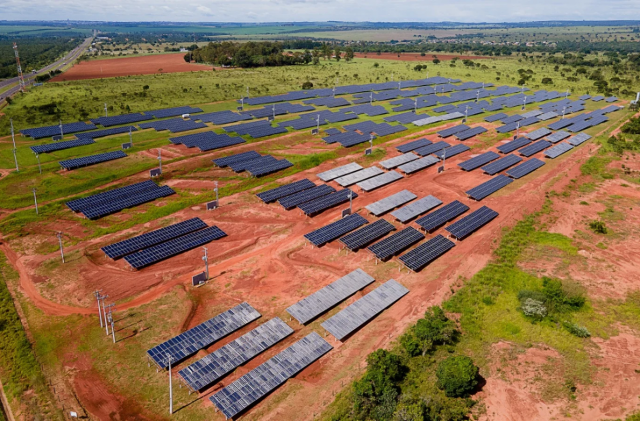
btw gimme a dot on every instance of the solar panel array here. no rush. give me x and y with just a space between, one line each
468 134
356 177
407 213
501 164
221 117
426 253
58 146
106 132
453 130
419 164
253 386
441 216
472 222
579 139
348 320
513 145
339 171
172 112
326 298
428 150
558 150
193 340
398 160
48 131
173 247
538 134
274 194
207 141
121 119
174 125
224 360
326 202
239 157
70 164
534 148
379 180
139 242
291 201
397 242
452 151
390 202
336 229
525 168
478 161
367 234
558 136
489 187
413 145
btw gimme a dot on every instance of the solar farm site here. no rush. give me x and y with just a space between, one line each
254 252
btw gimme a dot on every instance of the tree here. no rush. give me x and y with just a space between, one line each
436 60
326 51
433 329
337 53
457 376
316 53
187 57
348 54
307 85
547 81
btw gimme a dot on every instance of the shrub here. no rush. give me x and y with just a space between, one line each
546 81
534 308
577 330
307 85
598 227
563 296
434 329
457 376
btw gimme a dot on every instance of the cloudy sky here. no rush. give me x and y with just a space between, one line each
321 10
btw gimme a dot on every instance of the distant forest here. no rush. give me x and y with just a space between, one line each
248 54
35 53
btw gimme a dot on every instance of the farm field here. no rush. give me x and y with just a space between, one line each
571 224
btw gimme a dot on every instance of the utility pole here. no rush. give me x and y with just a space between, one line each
478 95
415 105
113 330
242 103
350 202
215 189
517 129
59 235
39 166
160 159
274 111
105 110
247 92
444 158
35 199
371 98
106 320
13 138
400 85
20 77
371 141
130 137
318 123
564 109
104 310
524 102
169 358
205 259
96 293
61 131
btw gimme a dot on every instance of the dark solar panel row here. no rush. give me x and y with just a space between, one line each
127 202
472 222
326 202
172 112
429 149
293 200
121 119
367 234
452 151
269 167
525 168
468 134
489 187
48 131
239 157
102 198
106 132
221 117
335 230
453 130
442 215
534 148
174 125
70 164
274 194
58 146
478 161
513 145
426 253
396 243
501 164
413 145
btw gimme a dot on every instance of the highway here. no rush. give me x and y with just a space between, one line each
30 77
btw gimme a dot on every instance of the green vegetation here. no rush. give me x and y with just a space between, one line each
35 52
598 227
457 376
248 54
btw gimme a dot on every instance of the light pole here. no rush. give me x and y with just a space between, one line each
104 311
247 92
371 98
61 131
350 202
106 319
35 200
169 358
39 167
318 123
59 235
160 159
13 138
274 111
106 114
564 109
215 189
242 103
130 137
113 330
517 129
97 295
415 105
205 259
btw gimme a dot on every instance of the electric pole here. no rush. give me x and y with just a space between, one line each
106 320
35 199
130 137
106 114
59 235
13 138
96 293
215 189
318 123
104 310
61 131
160 159
350 202
247 92
205 258
113 330
169 358
39 166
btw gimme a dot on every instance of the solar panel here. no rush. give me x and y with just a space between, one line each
557 136
534 148
395 243
538 134
426 253
495 117
339 171
347 321
439 217
367 234
398 160
48 131
336 229
418 165
269 167
139 242
326 202
290 202
70 164
379 181
413 145
428 150
358 176
532 113
253 386
513 145
246 163
579 139
121 203
191 341
452 151
468 134
547 116
174 125
597 98
173 247
525 168
453 130
558 150
121 119
223 361
221 117
478 161
407 213
501 164
106 197
326 298
239 157
390 202
274 194
106 132
472 222
58 146
489 187
172 112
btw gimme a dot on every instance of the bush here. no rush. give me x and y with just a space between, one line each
307 85
546 81
598 227
562 297
457 376
577 330
434 329
534 308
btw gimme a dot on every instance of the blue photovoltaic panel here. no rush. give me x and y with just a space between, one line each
58 146
106 132
513 145
107 197
395 243
557 136
472 222
525 168
478 161
428 150
489 187
121 119
534 148
468 134
269 167
538 134
579 139
336 229
445 214
306 195
193 340
173 247
323 203
558 150
172 112
501 164
239 166
239 157
223 361
426 253
413 145
253 386
70 164
47 131
452 151
495 117
139 242
453 130
125 202
272 195
367 234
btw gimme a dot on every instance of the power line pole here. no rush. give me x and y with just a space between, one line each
104 310
106 114
20 77
13 138
106 320
160 159
215 189
113 330
247 92
35 199
59 235
169 358
130 137
96 293
39 166
61 131
205 258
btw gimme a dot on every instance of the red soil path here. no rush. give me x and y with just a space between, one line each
127 66
414 56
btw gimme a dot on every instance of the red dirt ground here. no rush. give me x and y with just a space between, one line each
414 56
128 66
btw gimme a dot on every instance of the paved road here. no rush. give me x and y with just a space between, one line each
30 77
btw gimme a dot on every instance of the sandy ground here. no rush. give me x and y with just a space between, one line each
126 66
414 56
265 261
